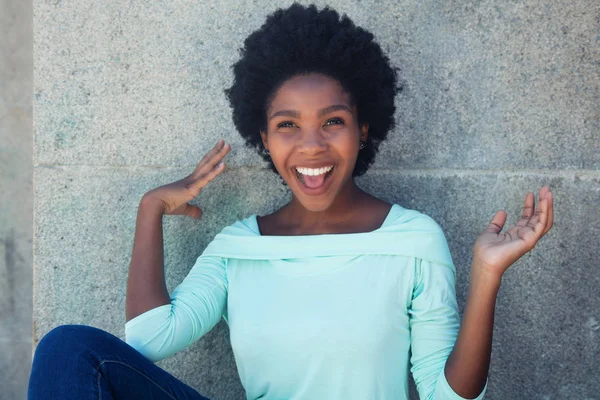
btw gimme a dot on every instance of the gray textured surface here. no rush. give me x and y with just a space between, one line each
16 72
499 99
127 72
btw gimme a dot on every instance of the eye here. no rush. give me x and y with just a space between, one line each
334 121
285 124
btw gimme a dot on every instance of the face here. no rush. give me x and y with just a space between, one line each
313 136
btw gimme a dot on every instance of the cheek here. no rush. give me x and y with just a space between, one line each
348 144
279 164
280 146
278 156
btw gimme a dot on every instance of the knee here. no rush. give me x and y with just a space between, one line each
69 338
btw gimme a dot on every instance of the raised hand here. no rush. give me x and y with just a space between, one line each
174 198
495 251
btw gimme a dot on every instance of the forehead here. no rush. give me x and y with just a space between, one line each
308 92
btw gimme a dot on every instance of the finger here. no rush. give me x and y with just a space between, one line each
528 209
537 212
193 211
550 220
212 161
539 219
205 179
497 223
215 150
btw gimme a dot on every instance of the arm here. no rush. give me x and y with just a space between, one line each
467 367
158 325
195 307
434 324
146 288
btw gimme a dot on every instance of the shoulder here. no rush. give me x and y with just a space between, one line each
243 227
234 239
407 219
418 232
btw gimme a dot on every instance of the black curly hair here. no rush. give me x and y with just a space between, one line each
301 40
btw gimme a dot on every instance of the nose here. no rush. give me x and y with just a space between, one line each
312 141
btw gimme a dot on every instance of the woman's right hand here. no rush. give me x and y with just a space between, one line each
174 198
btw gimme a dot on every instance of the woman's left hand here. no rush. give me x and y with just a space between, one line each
494 251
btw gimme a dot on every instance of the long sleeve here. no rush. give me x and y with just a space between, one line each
197 305
434 325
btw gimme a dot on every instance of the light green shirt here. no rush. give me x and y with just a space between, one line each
333 316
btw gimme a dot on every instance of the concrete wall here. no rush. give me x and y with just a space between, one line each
16 213
500 98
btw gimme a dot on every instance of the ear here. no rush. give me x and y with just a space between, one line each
263 136
364 132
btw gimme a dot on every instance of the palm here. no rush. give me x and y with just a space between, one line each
496 250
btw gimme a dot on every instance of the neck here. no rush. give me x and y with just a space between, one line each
344 208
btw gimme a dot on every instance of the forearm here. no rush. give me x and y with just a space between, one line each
146 288
467 367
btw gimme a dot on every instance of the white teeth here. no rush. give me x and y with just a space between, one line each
314 171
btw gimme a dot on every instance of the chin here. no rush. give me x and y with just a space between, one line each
313 200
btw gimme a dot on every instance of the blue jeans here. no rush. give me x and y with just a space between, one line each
81 362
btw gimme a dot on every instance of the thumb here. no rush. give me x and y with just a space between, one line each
497 222
193 211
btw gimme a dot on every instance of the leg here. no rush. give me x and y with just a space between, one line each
81 362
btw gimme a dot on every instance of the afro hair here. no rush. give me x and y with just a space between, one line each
301 40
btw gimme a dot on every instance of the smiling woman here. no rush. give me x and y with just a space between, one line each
303 40
313 136
333 296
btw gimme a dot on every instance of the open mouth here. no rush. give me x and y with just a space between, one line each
314 178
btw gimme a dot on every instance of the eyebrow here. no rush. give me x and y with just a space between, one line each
322 112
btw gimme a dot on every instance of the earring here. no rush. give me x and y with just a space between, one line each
362 144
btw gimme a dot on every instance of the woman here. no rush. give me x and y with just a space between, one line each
327 296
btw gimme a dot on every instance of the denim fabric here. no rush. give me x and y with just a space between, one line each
81 362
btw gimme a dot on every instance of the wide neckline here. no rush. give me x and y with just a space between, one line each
403 232
388 218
